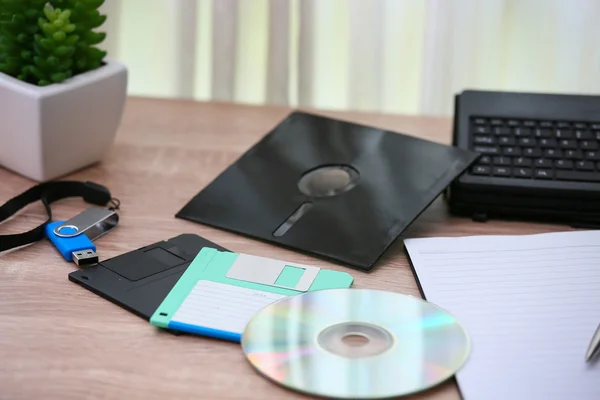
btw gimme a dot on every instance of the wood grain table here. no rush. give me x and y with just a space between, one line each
60 341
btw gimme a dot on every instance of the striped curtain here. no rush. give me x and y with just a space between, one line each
396 56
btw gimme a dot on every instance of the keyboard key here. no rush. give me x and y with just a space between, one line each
532 152
568 144
542 163
526 141
543 133
578 176
484 140
553 153
484 160
547 142
584 165
522 162
481 170
511 151
507 141
520 132
583 135
574 154
589 145
562 150
522 172
502 130
501 160
543 173
563 134
563 164
501 171
592 155
486 150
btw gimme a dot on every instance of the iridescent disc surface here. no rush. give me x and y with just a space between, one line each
355 343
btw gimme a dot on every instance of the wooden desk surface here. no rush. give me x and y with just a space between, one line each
58 340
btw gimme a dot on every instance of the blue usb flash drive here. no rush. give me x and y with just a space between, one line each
74 238
78 249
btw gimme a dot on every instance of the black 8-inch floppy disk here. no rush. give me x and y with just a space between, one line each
330 188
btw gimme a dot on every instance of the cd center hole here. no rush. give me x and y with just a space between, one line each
355 340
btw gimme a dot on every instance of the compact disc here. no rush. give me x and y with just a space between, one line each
355 343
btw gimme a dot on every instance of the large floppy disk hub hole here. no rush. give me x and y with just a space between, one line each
329 180
324 181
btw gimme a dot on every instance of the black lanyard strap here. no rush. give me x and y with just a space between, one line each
49 192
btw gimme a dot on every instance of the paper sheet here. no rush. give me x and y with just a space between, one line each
530 305
224 307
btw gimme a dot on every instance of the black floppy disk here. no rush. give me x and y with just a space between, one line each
330 188
140 280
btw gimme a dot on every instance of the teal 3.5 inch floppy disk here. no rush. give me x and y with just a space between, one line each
221 291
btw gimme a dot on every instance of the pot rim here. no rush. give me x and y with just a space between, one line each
109 68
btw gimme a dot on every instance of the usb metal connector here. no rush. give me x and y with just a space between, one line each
85 257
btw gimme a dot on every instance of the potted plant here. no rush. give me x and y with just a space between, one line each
61 100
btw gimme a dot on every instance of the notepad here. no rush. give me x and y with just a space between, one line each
530 304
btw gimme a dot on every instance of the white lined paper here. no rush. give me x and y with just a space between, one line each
223 307
530 304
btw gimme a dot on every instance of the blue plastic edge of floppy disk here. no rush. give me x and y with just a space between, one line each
66 246
199 330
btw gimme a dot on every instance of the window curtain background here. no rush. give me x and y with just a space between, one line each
393 56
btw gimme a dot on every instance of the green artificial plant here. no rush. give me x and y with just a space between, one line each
48 41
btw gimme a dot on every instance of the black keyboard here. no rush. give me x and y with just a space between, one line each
539 156
536 149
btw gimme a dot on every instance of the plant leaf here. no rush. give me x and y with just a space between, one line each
35 71
64 51
47 44
94 3
59 36
27 55
98 21
49 13
71 40
93 38
58 77
96 54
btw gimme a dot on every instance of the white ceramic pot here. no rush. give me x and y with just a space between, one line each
47 132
